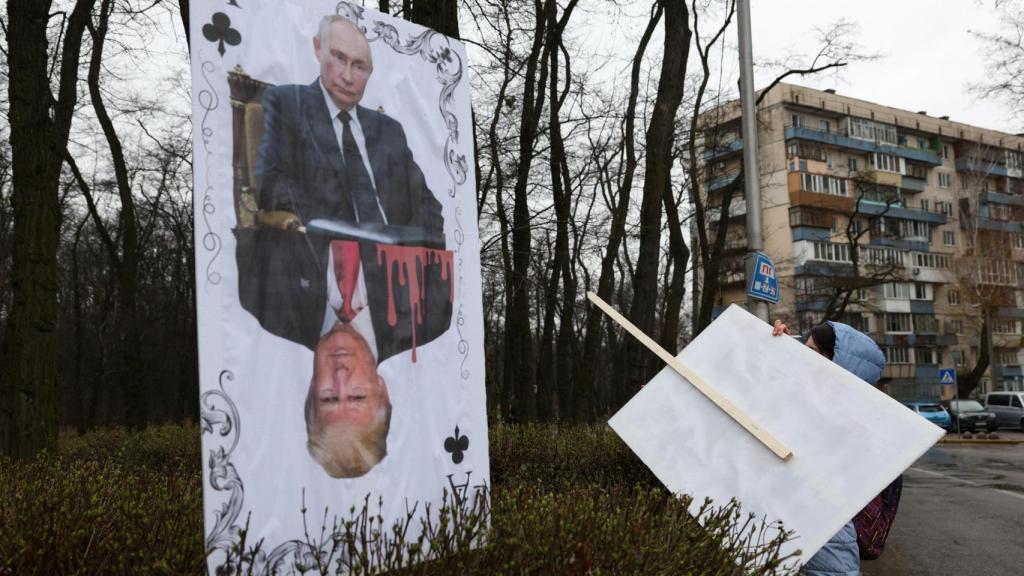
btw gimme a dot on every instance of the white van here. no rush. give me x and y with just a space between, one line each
1008 408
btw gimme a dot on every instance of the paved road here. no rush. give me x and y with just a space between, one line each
962 514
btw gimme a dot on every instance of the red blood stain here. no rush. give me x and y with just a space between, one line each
411 261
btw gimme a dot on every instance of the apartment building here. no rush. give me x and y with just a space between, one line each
908 226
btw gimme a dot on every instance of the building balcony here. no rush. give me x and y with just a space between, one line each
800 216
737 208
723 181
1006 340
1000 198
911 184
976 166
991 225
902 244
832 139
880 177
723 150
1009 313
898 371
874 209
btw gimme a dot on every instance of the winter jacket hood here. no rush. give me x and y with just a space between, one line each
857 353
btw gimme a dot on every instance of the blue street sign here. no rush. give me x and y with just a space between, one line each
763 283
947 376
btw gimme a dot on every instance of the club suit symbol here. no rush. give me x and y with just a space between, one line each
219 30
456 445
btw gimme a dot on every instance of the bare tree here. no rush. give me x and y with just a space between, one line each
40 124
1004 67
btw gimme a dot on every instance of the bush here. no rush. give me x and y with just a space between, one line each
564 499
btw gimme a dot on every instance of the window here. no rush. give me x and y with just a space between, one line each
855 319
924 204
885 162
851 162
825 127
823 184
944 207
1018 241
1013 160
945 180
828 159
949 238
929 260
898 322
956 326
997 400
831 252
813 285
897 355
953 297
945 151
1005 357
835 224
896 290
796 121
883 256
867 130
1005 326
923 291
926 324
924 355
857 225
1016 402
915 230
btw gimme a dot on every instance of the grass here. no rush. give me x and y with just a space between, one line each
564 500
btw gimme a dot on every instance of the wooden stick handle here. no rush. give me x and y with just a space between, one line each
722 402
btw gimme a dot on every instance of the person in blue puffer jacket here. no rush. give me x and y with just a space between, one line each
858 354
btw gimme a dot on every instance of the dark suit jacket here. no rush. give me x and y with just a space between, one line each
299 169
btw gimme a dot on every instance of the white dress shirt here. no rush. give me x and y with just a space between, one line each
362 321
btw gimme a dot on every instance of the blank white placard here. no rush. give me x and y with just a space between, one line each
849 440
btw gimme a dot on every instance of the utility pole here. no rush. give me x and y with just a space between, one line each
751 168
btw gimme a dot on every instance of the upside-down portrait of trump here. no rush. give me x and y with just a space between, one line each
346 255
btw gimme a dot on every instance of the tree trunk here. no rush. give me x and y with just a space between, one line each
39 131
127 265
635 362
518 358
441 15
587 401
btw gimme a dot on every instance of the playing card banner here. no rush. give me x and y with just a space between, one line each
337 256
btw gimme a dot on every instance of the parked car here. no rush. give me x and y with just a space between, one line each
933 412
1007 406
972 416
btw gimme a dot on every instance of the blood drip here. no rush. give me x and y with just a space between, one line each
411 262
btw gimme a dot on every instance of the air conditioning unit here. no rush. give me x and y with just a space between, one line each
916 271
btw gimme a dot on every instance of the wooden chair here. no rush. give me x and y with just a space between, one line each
247 129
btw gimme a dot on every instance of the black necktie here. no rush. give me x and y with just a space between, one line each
359 184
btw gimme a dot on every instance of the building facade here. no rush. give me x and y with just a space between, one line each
907 226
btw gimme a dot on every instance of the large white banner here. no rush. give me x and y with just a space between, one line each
849 440
338 273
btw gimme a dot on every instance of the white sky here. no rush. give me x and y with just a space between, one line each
928 55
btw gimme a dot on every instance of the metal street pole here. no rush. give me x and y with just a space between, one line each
991 352
751 168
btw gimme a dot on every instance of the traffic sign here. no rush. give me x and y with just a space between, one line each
763 283
947 376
